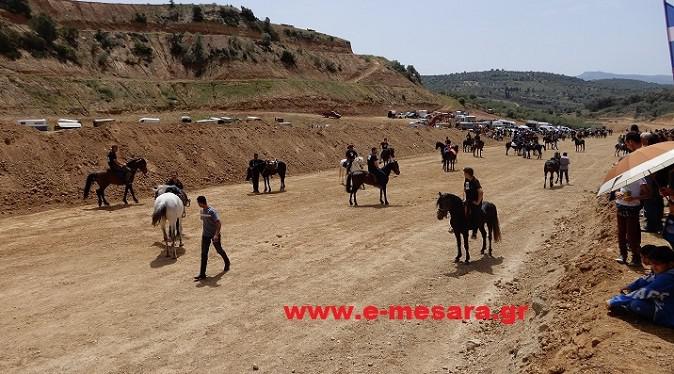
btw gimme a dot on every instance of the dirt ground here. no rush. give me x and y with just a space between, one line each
87 289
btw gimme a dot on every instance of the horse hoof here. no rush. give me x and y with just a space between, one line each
467 262
457 260
135 201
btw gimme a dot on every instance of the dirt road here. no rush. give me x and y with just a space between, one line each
86 290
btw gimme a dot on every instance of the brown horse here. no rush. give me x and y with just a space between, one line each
357 178
108 177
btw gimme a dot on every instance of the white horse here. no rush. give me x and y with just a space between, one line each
164 188
357 164
169 208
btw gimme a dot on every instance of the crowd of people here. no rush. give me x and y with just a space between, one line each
651 296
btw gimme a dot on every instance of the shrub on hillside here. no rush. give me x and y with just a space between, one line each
65 53
397 66
288 58
142 51
267 28
248 15
266 40
197 14
103 38
45 27
229 15
71 36
9 44
140 18
20 7
34 44
176 44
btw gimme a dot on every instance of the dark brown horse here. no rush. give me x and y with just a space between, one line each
359 177
551 167
387 155
266 170
478 146
461 224
118 178
448 155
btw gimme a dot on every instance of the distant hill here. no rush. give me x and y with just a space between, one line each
527 94
599 75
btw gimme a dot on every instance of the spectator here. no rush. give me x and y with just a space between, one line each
628 204
651 296
564 163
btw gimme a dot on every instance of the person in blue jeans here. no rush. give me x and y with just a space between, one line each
211 233
651 296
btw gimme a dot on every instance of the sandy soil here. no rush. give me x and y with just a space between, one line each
86 290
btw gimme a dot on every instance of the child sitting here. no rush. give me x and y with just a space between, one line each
651 296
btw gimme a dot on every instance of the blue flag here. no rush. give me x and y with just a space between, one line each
669 16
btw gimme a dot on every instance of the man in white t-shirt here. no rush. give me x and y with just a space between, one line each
628 203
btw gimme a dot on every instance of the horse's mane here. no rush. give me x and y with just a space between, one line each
453 199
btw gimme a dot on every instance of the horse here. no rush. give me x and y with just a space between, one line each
621 149
551 166
358 163
478 145
164 188
486 214
538 149
448 157
580 144
168 208
108 177
468 145
387 155
514 145
267 169
357 178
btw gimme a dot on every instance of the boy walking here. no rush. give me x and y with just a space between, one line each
211 233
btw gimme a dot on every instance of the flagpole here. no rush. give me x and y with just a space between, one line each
669 42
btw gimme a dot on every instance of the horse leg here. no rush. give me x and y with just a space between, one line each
385 196
133 194
126 191
163 230
98 195
465 245
179 229
105 201
489 232
484 239
458 246
545 181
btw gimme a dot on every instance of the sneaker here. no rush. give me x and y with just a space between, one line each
621 260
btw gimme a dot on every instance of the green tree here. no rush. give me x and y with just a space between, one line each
197 14
172 4
229 15
45 27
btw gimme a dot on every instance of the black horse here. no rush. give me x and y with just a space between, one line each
448 157
357 178
468 145
537 148
120 178
487 214
580 144
267 169
552 167
387 155
478 145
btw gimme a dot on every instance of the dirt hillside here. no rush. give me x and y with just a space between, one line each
41 170
112 63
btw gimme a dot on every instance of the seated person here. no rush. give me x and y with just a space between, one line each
651 296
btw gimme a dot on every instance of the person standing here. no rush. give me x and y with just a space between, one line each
254 172
628 204
564 163
211 233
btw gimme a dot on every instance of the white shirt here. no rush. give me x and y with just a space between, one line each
635 190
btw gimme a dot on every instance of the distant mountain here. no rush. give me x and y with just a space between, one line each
600 75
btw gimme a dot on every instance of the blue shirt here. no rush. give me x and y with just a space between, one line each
209 218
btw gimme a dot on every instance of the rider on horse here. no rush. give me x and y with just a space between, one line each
384 144
117 167
350 156
472 192
373 165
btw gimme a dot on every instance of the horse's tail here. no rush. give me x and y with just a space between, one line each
492 220
87 187
348 183
159 213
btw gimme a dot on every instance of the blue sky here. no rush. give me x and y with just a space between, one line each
560 36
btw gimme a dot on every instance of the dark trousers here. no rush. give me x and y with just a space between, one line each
629 232
653 211
205 246
562 174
